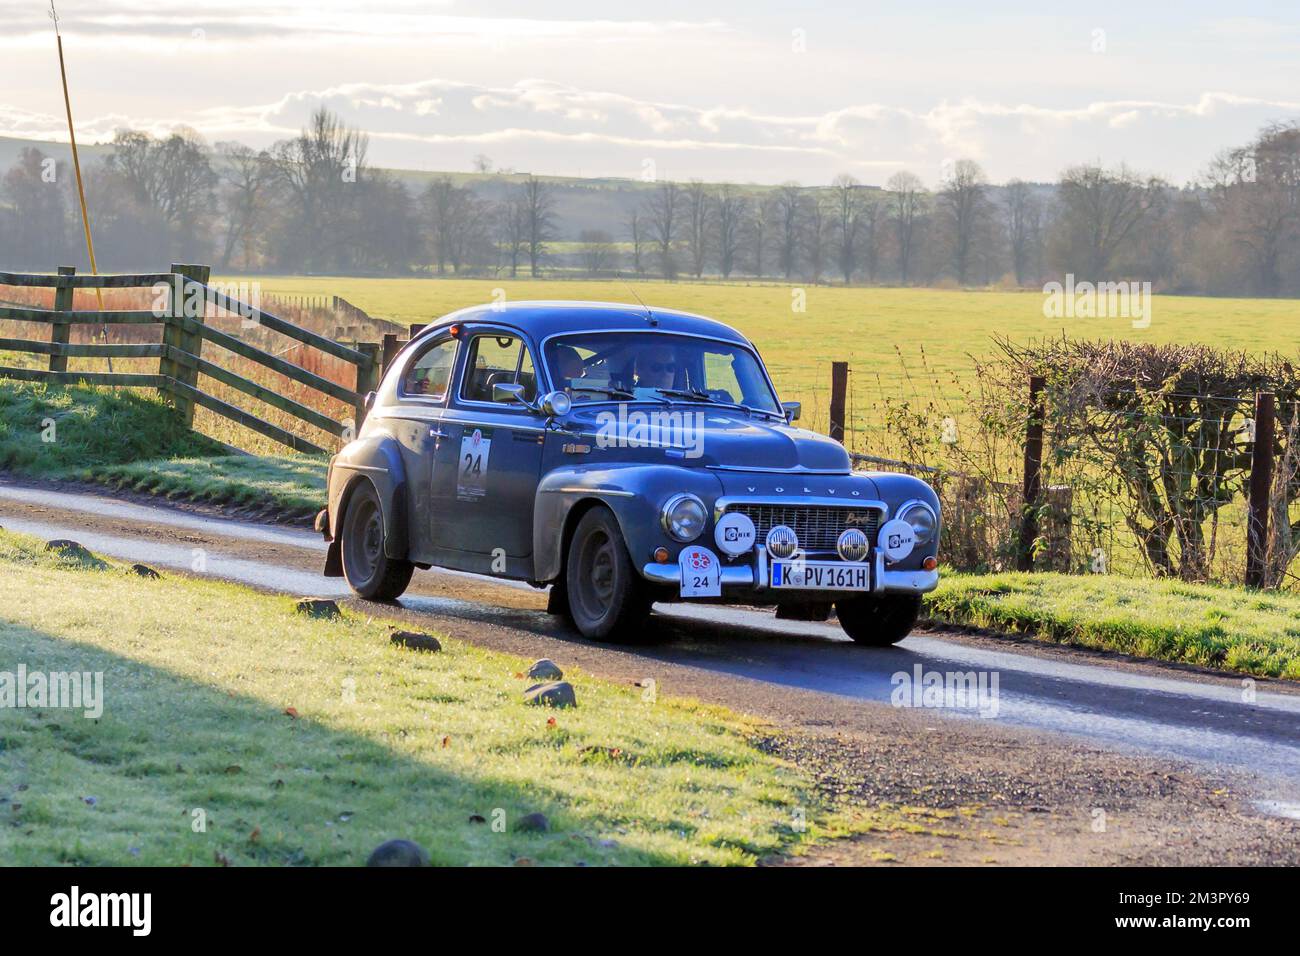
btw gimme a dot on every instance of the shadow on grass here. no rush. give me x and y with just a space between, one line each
177 772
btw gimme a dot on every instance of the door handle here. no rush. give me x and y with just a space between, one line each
437 433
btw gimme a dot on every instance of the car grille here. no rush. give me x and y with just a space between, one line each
817 526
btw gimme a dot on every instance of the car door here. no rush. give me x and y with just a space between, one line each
416 417
490 454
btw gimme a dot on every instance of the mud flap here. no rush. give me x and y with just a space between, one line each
333 560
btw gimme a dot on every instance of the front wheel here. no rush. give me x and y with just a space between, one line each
369 571
879 621
607 599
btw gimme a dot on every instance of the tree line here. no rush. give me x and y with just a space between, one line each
313 204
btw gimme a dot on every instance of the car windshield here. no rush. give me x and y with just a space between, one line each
652 366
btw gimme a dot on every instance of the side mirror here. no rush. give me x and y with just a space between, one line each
509 392
369 402
556 404
792 410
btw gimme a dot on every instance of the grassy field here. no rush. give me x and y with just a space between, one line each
1216 627
128 438
870 328
310 741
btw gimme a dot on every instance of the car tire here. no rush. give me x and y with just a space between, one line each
608 600
878 621
370 572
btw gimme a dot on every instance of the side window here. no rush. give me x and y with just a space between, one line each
497 360
430 374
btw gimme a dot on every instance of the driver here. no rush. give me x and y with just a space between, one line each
656 367
568 365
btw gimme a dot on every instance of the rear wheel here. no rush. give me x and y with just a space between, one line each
879 621
369 571
607 599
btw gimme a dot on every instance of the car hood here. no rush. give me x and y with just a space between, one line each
696 435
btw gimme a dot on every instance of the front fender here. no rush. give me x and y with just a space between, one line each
634 492
378 458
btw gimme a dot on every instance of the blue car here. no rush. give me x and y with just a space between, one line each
622 456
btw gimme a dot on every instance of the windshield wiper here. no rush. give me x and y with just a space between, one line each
699 395
622 394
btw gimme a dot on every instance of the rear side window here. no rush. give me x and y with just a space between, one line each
430 374
497 360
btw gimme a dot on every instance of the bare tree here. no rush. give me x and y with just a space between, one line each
512 232
249 178
818 222
964 205
596 251
457 221
907 202
788 206
1256 195
699 221
1100 212
1024 216
847 201
539 212
636 230
732 209
665 211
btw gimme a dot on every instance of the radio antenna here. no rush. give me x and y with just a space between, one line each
648 314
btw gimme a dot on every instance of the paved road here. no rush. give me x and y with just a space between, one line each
1063 700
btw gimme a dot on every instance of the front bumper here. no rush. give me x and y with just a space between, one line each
752 576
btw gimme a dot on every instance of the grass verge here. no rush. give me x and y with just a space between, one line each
303 741
134 440
1226 628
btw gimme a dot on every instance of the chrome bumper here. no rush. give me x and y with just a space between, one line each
744 576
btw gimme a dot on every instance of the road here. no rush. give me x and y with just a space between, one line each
1079 757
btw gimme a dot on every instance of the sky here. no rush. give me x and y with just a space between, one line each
751 91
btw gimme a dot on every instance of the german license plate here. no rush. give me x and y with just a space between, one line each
820 576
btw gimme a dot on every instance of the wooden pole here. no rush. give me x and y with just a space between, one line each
1033 482
839 390
76 165
1261 488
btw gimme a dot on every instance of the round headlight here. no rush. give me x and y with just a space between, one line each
852 545
683 517
782 542
923 521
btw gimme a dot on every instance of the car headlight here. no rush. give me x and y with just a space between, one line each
922 519
683 517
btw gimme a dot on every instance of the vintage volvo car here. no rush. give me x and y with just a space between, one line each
623 456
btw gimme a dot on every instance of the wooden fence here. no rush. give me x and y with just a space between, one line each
180 349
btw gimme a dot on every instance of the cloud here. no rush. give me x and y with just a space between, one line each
557 128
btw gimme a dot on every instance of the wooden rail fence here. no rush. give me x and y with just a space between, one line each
180 350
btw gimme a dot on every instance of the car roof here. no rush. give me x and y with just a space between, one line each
544 319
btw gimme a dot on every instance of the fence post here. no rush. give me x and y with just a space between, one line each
367 377
1261 487
177 336
416 328
1033 474
61 330
390 348
839 387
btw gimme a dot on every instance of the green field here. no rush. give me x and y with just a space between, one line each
233 731
868 327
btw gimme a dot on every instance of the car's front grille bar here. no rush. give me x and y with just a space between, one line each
817 527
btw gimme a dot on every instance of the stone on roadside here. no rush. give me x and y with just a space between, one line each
553 694
533 823
545 670
398 853
73 551
144 571
317 607
414 641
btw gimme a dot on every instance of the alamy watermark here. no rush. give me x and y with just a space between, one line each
1098 300
679 433
76 690
946 690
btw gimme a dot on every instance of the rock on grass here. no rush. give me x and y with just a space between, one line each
545 670
398 853
415 642
554 694
317 607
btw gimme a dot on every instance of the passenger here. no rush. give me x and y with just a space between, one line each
656 367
